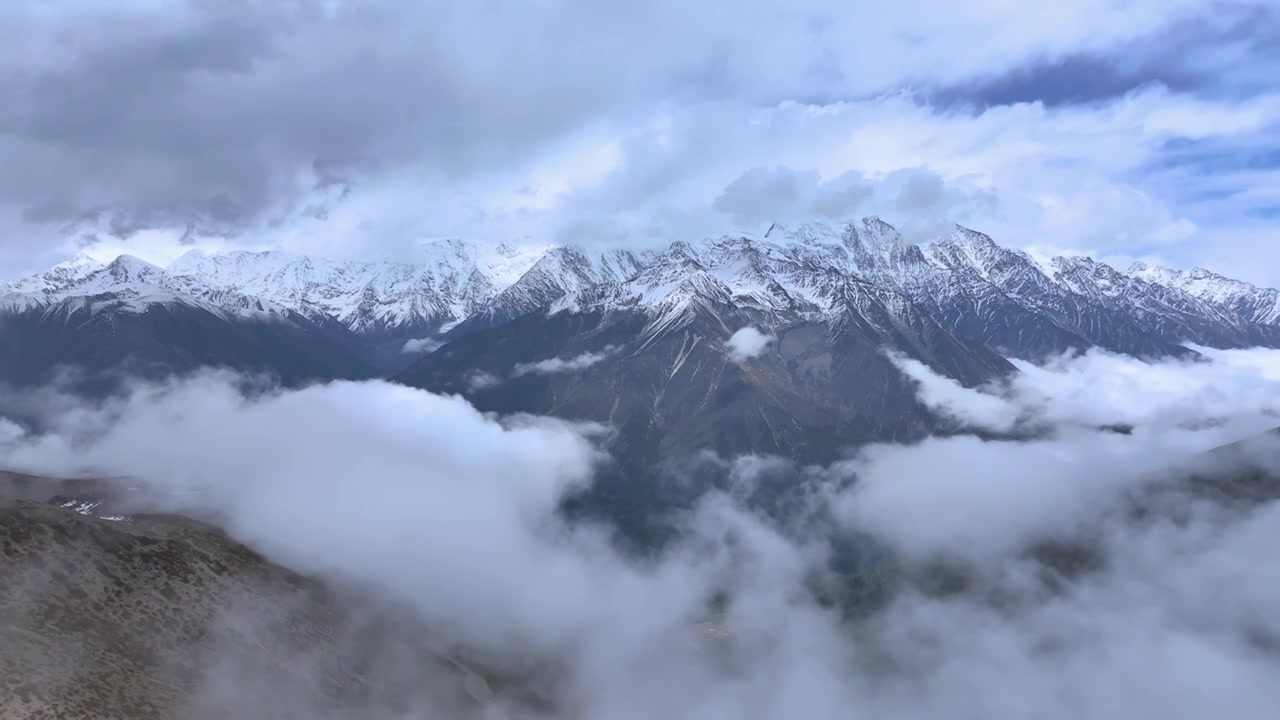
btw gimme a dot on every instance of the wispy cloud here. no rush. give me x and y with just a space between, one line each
551 366
421 345
481 380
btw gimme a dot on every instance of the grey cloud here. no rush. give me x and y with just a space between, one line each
924 204
1229 50
1075 79
842 197
760 195
227 113
927 206
922 193
224 112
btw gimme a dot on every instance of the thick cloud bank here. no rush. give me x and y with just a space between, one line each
1173 612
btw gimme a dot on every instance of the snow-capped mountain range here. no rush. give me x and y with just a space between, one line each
802 273
637 341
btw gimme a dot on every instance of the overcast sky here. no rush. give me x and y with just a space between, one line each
1143 128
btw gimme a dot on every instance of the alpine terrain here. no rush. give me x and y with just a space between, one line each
641 340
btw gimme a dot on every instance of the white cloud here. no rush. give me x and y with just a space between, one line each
979 498
480 380
559 365
421 345
1100 388
975 408
746 343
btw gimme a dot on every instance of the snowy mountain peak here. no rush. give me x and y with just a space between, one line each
126 282
81 264
201 261
63 275
1155 274
128 268
1064 263
877 248
810 233
1177 278
981 250
973 238
879 232
1086 277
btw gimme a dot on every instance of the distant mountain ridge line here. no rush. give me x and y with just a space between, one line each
787 270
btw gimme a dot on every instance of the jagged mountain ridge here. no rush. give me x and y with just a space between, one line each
303 318
966 281
94 326
1261 305
454 280
980 290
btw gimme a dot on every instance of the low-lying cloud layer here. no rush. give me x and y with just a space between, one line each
1101 388
454 513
